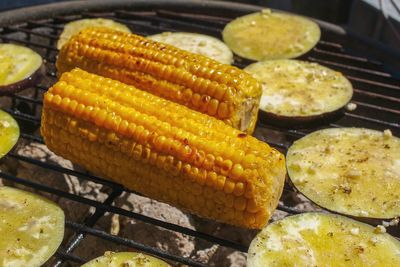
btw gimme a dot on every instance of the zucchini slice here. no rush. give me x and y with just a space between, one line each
76 26
318 239
197 43
297 91
352 171
271 35
122 259
9 133
31 228
20 67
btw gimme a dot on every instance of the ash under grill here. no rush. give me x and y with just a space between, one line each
376 93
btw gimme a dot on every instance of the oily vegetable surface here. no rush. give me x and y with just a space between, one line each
125 259
9 133
353 171
31 228
74 27
17 63
271 35
197 43
294 88
324 240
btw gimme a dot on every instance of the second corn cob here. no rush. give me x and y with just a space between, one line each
200 83
162 150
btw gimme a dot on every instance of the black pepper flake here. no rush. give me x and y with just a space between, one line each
347 190
242 135
362 160
359 249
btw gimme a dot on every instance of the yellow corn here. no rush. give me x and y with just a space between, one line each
162 149
200 83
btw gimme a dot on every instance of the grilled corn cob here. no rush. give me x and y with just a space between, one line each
198 82
162 149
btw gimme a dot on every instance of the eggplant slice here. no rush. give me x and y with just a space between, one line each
31 228
197 43
296 92
318 239
74 27
131 259
20 67
271 35
9 133
353 171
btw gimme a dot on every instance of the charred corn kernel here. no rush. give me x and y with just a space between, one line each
200 83
154 146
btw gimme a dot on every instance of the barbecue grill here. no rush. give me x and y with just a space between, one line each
371 69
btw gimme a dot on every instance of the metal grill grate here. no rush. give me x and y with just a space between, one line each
376 93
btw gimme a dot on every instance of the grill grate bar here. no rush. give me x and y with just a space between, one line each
10 39
180 24
28 99
375 83
67 171
123 212
289 209
348 67
23 116
375 95
90 222
65 256
32 138
348 56
364 118
331 44
376 90
21 29
375 107
46 25
132 244
210 21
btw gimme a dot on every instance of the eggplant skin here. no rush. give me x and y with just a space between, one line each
30 81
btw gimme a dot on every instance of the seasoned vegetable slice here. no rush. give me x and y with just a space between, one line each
20 67
271 35
76 26
197 43
353 171
31 228
296 91
9 133
318 239
122 259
